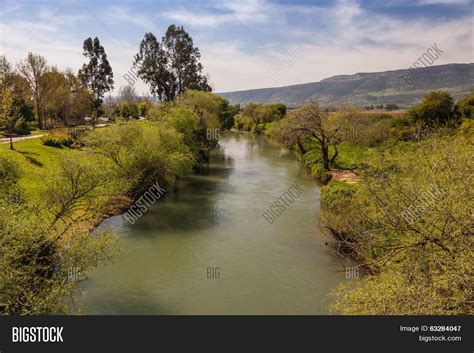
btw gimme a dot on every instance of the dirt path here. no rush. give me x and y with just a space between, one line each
16 139
347 176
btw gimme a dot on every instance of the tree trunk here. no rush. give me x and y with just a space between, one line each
38 111
300 146
11 142
336 152
325 153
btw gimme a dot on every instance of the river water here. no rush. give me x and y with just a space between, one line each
206 249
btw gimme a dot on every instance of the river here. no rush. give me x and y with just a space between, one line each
206 249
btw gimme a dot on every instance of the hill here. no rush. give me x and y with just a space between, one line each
363 89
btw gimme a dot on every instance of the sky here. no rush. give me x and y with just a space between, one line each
250 43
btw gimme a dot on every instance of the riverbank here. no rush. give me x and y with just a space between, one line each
392 201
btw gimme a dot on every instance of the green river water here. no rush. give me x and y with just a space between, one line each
214 220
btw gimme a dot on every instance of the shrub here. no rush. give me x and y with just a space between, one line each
465 107
436 109
411 227
144 154
467 127
321 174
57 140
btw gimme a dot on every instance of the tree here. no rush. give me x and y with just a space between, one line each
42 241
436 109
410 227
10 117
171 66
260 115
32 68
128 100
81 100
110 107
97 74
391 106
207 107
465 107
19 86
56 95
311 122
128 94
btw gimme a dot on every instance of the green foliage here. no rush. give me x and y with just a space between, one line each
242 122
32 69
10 117
436 109
171 66
194 114
57 139
43 240
128 110
467 127
409 223
97 73
142 108
321 174
465 107
257 117
10 173
309 124
143 154
227 113
336 193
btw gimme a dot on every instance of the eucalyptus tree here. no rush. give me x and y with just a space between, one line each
97 73
172 65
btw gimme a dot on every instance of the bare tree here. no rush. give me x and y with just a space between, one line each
311 122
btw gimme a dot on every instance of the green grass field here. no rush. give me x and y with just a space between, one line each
36 161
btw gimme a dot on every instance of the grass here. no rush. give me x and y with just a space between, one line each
350 156
36 161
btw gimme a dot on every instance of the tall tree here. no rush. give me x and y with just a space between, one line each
56 95
10 117
32 68
171 66
20 87
80 100
97 73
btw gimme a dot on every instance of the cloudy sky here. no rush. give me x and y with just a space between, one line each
250 43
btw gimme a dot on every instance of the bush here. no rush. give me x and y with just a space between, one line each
411 227
144 154
391 106
465 107
321 174
22 128
467 127
57 140
437 109
10 173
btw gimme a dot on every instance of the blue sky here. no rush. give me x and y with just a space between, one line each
244 43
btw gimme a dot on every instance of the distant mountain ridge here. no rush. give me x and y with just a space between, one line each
362 89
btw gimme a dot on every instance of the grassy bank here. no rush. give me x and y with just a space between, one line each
55 190
405 216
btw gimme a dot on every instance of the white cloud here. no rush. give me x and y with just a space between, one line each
246 11
344 39
126 17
